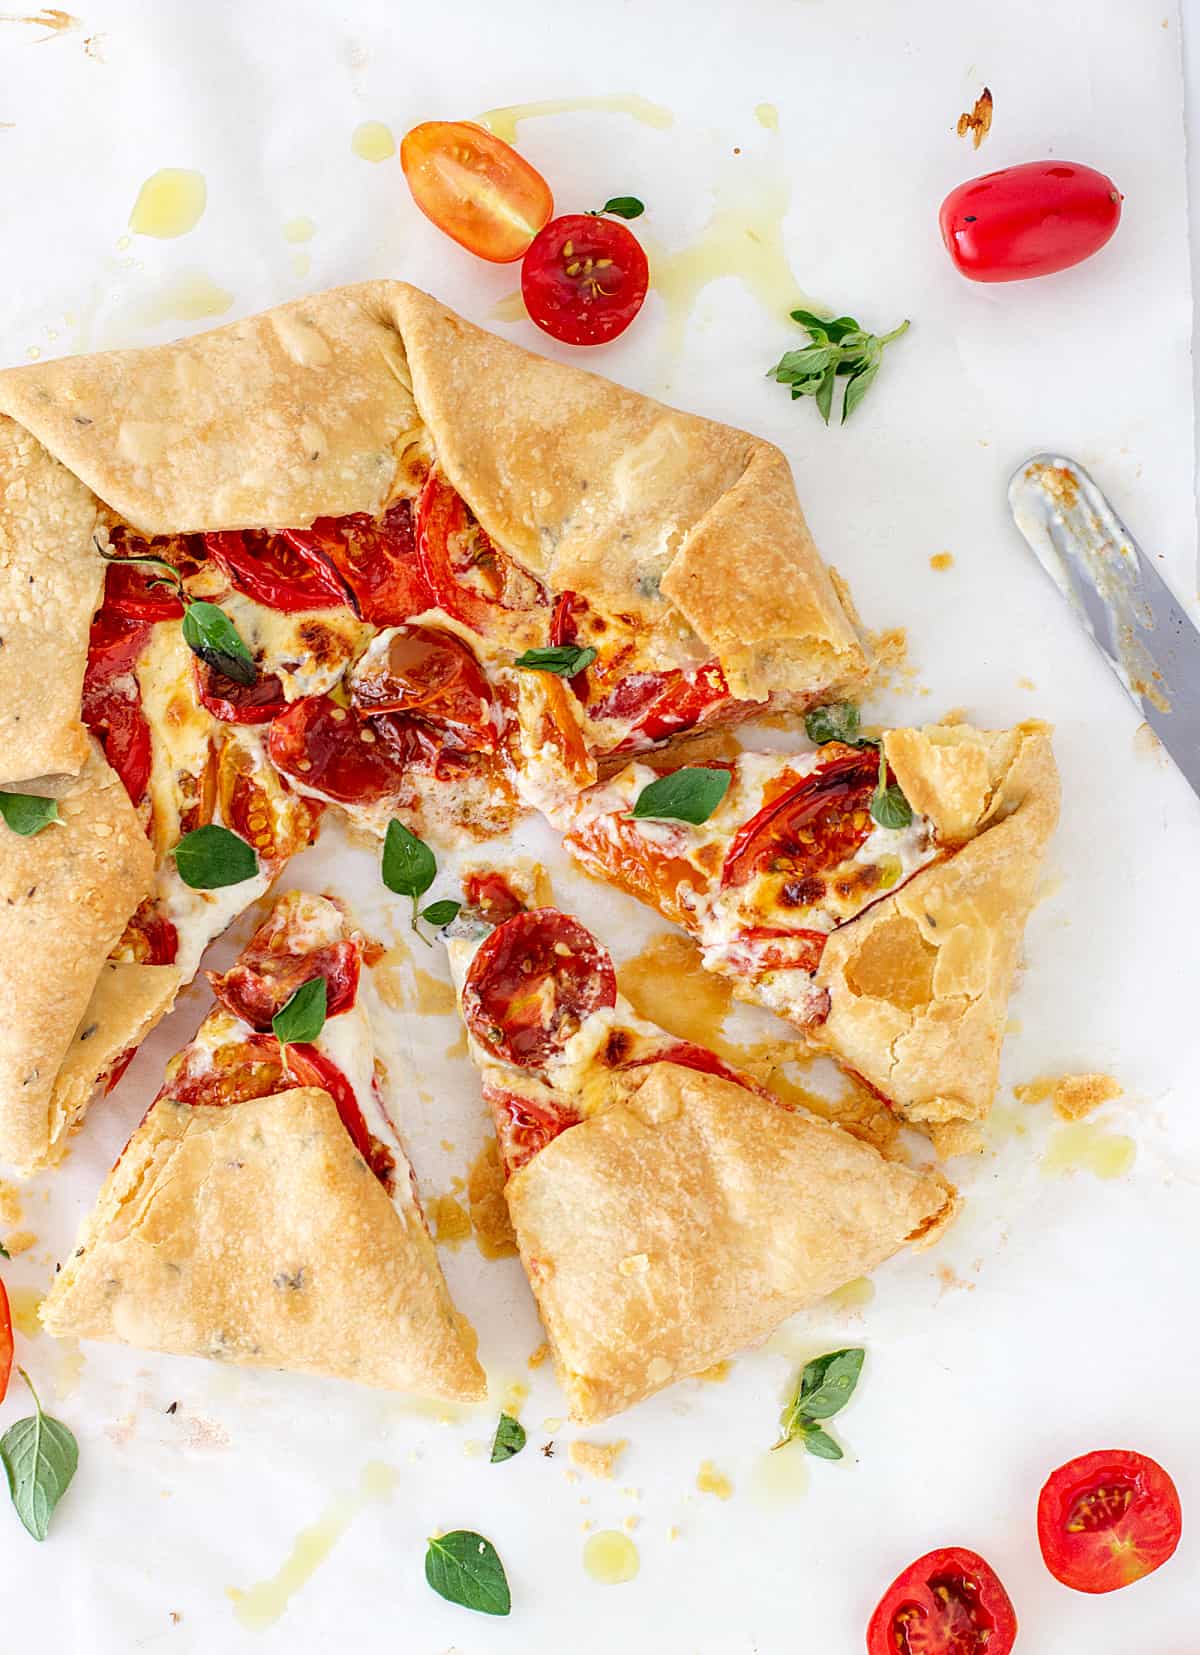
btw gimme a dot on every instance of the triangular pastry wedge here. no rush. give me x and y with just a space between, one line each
891 943
392 507
264 1212
669 1210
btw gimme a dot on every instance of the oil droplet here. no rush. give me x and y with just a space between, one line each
511 308
169 203
767 115
259 1606
70 1368
186 299
390 973
503 122
516 1395
24 1302
611 1558
1006 1122
489 1211
856 1295
711 1481
666 984
301 263
434 998
1085 1146
33 352
941 561
299 229
717 1374
449 1221
373 141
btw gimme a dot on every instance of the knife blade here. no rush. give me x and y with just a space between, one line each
1118 597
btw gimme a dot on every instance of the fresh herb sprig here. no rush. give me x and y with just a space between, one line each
836 721
840 349
825 1387
624 206
463 1567
40 1456
563 660
207 630
409 867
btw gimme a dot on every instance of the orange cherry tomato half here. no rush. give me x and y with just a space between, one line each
949 1602
584 279
475 187
6 1342
1106 1519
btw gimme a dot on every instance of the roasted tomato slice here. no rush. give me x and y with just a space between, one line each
431 673
353 760
475 188
114 642
616 848
149 937
811 827
522 1126
772 948
249 1067
584 279
491 895
129 589
568 610
532 983
234 703
470 578
690 1056
112 703
664 704
1106 1519
6 1342
375 557
260 807
949 1602
265 978
269 569
310 1067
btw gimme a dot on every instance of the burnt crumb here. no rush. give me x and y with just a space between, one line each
173 1408
802 893
931 922
82 419
292 1281
548 1449
616 1048
977 121
88 1032
79 1252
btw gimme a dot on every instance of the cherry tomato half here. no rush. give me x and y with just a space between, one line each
522 1126
532 983
475 187
264 978
1029 220
353 760
269 569
6 1342
235 703
584 279
231 1073
260 807
375 557
112 703
149 937
139 591
470 578
949 1602
815 825
432 673
1106 1519
492 896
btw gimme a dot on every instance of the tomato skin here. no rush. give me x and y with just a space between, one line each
128 591
355 761
234 703
584 279
269 569
111 705
824 805
949 1602
690 1056
1029 220
470 578
375 557
522 1126
504 1000
6 1342
492 896
1107 1519
475 188
238 1070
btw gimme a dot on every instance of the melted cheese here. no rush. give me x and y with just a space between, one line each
308 652
180 728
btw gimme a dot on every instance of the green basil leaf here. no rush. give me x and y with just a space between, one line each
27 813
209 633
825 392
211 857
889 807
564 660
440 913
687 795
40 1456
408 863
820 1443
624 206
828 1382
509 1439
805 364
301 1019
463 1567
836 721
840 348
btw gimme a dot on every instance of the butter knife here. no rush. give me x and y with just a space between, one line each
1118 597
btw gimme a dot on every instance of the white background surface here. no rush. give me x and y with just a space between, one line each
1075 1326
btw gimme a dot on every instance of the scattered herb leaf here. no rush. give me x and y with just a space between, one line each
840 348
301 1019
825 1387
40 1456
4 1252
409 866
889 807
212 857
509 1439
27 813
837 721
463 1567
209 633
820 1443
440 913
687 795
624 206
564 660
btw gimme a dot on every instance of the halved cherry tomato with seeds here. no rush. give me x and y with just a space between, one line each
250 1067
430 673
532 983
353 760
813 826
269 569
6 1342
1106 1519
375 557
308 1066
471 579
149 937
522 1126
475 188
665 704
235 703
264 979
492 896
949 1602
584 279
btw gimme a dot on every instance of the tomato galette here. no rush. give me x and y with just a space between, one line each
264 1212
354 552
668 1208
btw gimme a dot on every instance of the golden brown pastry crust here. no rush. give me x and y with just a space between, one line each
65 895
919 983
256 1234
663 1234
50 581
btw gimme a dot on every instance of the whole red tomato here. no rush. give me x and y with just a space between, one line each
1029 220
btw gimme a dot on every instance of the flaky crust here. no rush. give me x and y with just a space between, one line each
50 582
256 1234
662 1236
919 983
65 896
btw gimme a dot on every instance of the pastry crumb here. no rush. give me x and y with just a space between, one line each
951 1138
538 1356
587 1525
596 1458
10 1205
634 1264
1073 1096
711 1481
449 1221
942 560
977 121
19 1241
630 1523
1026 684
571 1476
448 1146
673 1532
